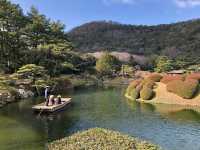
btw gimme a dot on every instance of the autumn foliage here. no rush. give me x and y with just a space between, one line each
148 83
168 78
185 89
132 86
156 77
146 93
195 76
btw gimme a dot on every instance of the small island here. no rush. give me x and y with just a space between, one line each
98 138
166 89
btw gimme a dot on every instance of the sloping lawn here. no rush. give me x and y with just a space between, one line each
100 139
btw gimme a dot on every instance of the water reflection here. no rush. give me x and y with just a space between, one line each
174 112
171 127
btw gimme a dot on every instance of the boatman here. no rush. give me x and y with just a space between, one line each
46 95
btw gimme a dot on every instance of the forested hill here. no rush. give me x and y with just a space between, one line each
174 40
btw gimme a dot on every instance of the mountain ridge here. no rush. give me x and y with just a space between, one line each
177 40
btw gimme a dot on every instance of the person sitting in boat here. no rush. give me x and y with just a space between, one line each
51 100
46 95
58 100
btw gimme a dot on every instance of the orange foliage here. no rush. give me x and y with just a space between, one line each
146 93
195 76
168 78
185 89
156 77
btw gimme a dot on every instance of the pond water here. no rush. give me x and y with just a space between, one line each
171 127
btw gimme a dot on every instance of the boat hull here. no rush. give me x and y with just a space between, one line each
49 109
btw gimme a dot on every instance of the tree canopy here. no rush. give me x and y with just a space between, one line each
25 38
107 64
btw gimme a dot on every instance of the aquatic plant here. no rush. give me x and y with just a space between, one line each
98 138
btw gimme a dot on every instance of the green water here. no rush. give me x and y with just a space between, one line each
171 127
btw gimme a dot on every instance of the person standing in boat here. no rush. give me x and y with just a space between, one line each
46 95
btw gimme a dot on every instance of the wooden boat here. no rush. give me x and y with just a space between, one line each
43 108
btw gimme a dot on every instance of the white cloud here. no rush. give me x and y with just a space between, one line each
187 3
107 2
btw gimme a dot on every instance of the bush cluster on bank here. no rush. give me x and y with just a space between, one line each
103 139
185 89
168 78
141 89
186 86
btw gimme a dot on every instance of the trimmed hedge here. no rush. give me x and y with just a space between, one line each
148 83
195 76
146 93
100 139
156 77
135 94
168 78
185 89
132 86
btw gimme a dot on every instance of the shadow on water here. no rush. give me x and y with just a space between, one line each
171 127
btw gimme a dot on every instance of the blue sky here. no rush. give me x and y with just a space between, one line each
149 12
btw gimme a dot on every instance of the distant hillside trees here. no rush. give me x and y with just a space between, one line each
179 40
164 64
107 64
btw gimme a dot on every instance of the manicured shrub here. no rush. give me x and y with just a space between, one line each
31 71
168 78
156 77
139 87
146 93
148 83
195 76
135 94
132 86
185 89
135 83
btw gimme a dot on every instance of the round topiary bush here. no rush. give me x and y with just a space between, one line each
156 77
135 94
132 86
146 93
148 83
195 76
185 89
168 78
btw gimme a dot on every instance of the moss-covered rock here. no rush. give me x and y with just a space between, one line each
100 139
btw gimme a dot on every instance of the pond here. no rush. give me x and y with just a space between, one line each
171 127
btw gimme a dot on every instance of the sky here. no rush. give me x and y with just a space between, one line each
146 12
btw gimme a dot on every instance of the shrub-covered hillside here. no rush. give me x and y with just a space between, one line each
103 139
174 40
